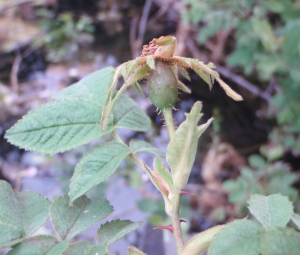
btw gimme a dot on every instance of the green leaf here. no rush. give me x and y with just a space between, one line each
35 210
264 30
138 89
69 221
59 248
37 245
296 219
99 250
114 230
82 248
142 146
128 114
272 211
11 224
96 166
134 251
151 62
281 241
200 242
184 73
238 237
257 161
20 215
74 119
93 87
58 126
181 151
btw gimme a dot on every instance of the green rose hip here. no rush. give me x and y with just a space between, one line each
162 86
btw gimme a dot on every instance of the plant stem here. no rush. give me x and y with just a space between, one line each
169 121
176 196
176 222
133 157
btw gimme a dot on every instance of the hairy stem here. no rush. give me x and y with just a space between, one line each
176 196
176 222
169 121
133 157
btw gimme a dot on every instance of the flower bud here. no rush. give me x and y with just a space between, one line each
162 86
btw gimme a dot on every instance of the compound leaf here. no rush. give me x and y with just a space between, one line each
74 119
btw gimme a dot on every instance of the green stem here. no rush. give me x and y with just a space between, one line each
176 196
176 222
133 157
169 121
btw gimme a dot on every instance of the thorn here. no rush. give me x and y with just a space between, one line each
170 227
174 108
182 192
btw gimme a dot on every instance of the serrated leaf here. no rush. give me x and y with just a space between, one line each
34 210
281 241
37 245
93 86
59 248
142 146
70 220
238 237
114 230
181 151
271 211
82 248
74 119
11 224
201 241
296 219
58 126
128 114
134 251
96 166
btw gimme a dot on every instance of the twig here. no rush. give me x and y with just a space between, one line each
136 45
229 75
132 36
14 73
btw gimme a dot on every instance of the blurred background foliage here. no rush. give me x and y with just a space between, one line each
253 146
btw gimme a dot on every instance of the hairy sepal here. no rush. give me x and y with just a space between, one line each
110 101
181 151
